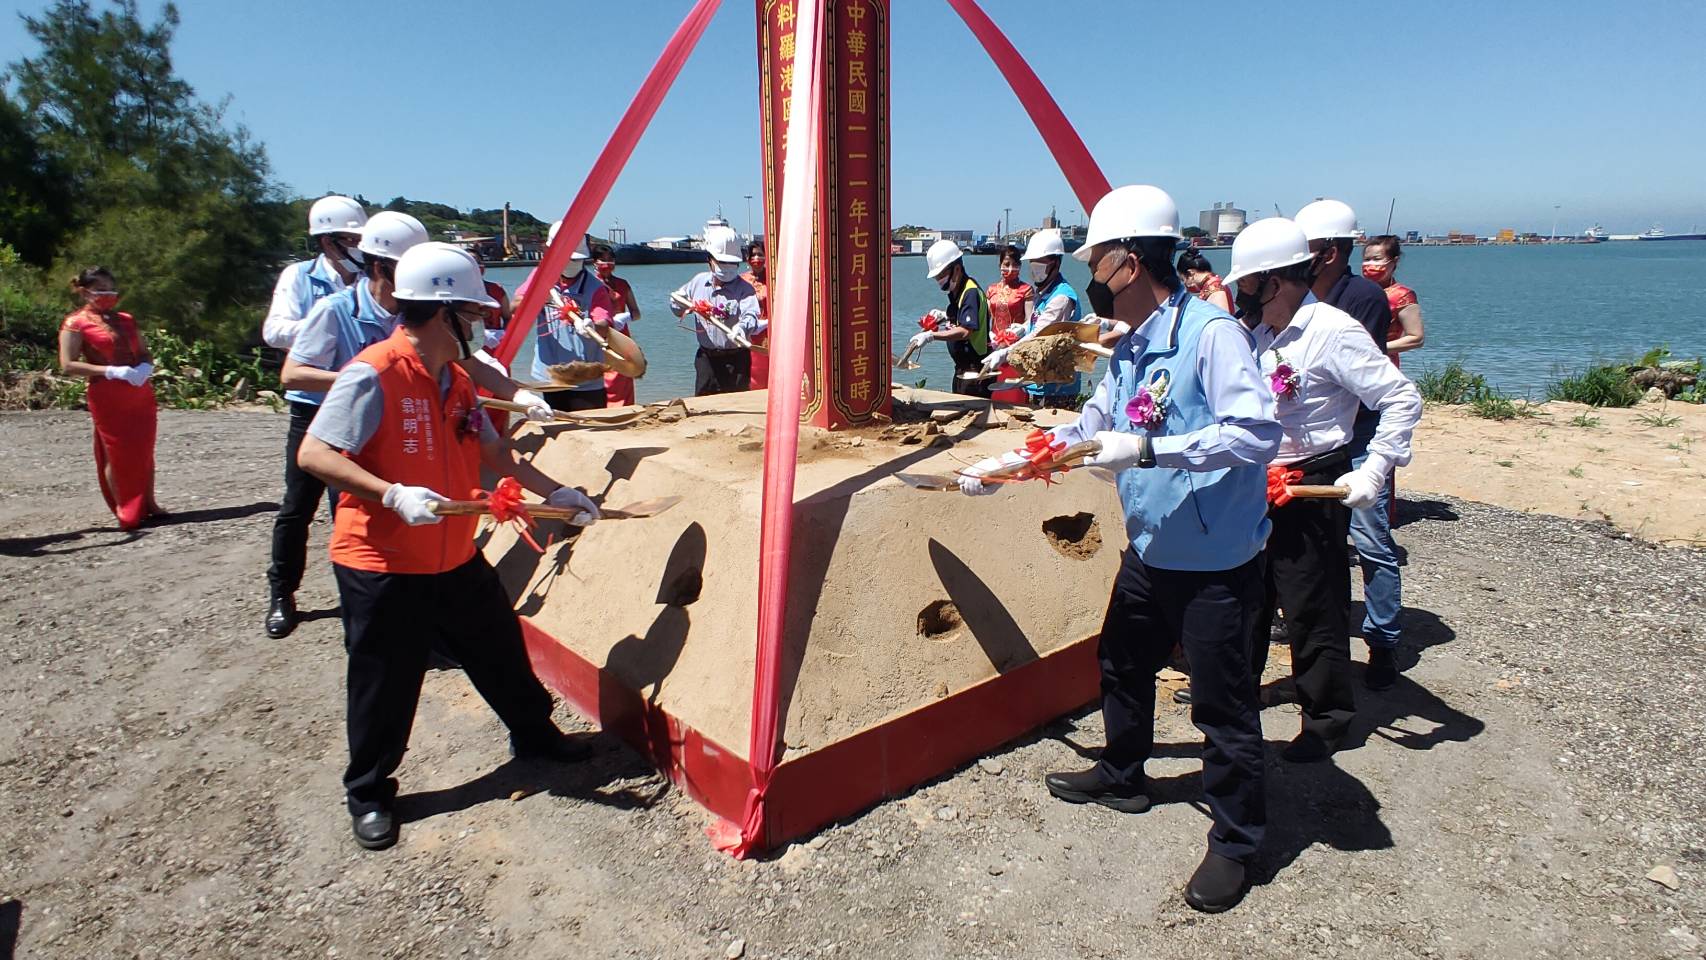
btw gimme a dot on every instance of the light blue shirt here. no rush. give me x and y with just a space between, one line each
737 292
339 327
555 338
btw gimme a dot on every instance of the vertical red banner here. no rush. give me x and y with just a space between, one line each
847 373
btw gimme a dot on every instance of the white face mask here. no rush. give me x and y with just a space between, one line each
574 268
1039 271
476 339
724 272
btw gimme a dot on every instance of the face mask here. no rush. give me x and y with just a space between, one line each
756 262
604 269
1250 304
476 338
1193 286
1381 273
573 269
944 282
1009 272
1040 271
1101 296
104 301
725 272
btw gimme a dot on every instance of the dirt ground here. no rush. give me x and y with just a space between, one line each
169 776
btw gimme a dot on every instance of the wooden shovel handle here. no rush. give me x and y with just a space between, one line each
475 508
1069 457
720 325
1318 493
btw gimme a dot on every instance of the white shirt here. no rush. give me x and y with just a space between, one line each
1338 368
291 298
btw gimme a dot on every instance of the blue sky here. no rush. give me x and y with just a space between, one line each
1474 116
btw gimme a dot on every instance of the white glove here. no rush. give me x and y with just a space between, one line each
583 326
995 359
940 315
537 409
621 321
920 338
412 503
971 481
570 498
1365 487
119 371
139 374
1120 451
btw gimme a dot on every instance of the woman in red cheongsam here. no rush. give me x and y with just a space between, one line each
1011 301
104 345
1380 264
1200 279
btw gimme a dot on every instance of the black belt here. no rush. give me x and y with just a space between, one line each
1335 459
715 352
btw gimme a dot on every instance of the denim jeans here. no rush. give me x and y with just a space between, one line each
1371 534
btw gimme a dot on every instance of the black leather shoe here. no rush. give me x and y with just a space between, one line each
375 830
1217 886
556 746
1382 673
1087 786
1307 748
1182 696
281 619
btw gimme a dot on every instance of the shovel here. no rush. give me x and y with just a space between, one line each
738 338
1302 492
943 483
540 511
563 416
905 361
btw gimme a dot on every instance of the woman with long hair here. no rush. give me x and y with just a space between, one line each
1200 279
104 345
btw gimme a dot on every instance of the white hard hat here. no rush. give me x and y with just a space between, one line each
723 244
1044 243
580 248
1138 210
440 271
335 215
1267 245
1328 220
390 234
941 254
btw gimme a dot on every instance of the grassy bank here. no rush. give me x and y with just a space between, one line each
1622 384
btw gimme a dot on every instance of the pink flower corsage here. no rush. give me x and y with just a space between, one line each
1147 409
1284 378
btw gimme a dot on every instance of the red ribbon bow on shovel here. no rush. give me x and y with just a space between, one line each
508 507
1041 450
1279 484
928 322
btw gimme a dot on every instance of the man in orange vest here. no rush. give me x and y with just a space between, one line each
400 429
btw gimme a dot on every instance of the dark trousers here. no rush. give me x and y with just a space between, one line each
721 371
970 388
391 623
302 493
1211 615
1309 578
576 399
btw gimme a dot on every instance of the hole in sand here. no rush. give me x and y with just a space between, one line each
939 620
1077 536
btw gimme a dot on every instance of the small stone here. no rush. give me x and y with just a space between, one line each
941 689
518 795
736 949
817 842
68 812
1685 937
996 869
752 445
991 766
1664 876
946 814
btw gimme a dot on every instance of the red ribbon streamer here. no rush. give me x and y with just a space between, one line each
792 292
1279 484
508 507
1082 174
605 170
928 322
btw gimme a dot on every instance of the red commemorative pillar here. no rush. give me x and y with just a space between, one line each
847 371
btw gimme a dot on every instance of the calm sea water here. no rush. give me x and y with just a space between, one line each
1519 315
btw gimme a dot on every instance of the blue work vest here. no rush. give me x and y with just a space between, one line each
358 322
557 342
1183 519
321 282
1060 288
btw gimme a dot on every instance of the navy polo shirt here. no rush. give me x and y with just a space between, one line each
1365 301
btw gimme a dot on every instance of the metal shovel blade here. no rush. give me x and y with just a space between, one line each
640 509
935 483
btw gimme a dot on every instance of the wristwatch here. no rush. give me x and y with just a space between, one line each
1147 457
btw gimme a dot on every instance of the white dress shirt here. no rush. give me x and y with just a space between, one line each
292 297
1339 368
1244 431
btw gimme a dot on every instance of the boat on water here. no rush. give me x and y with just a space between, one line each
1595 234
1656 232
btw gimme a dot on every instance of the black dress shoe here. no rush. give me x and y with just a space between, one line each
1307 748
1382 673
1217 886
555 746
375 829
281 619
1182 696
1087 786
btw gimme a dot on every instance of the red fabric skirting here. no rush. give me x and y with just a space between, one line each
124 419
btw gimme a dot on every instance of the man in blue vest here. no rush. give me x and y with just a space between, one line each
334 227
1056 301
1185 419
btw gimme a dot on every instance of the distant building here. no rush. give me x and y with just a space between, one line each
1224 220
1412 236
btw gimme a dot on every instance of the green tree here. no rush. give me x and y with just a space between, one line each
178 205
35 203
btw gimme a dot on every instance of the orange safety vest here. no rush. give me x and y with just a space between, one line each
422 441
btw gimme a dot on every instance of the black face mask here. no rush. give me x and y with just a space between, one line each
945 281
1250 304
1101 296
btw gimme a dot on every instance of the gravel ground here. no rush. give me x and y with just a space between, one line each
169 776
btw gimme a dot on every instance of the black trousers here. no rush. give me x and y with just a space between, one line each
302 493
721 371
1309 577
577 399
1212 616
391 622
970 388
